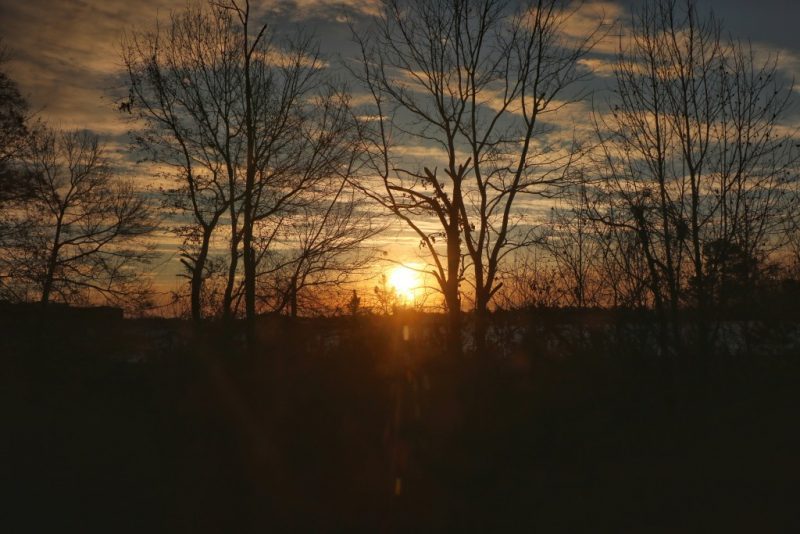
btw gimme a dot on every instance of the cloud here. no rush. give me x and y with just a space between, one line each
66 58
600 17
335 9
598 66
787 62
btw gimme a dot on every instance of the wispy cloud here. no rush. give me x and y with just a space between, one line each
66 58
599 18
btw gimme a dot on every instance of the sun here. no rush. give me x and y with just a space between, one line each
405 282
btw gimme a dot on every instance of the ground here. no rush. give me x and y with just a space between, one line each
203 436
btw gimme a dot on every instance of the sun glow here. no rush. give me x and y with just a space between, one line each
405 282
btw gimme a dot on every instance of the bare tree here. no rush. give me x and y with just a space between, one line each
15 181
15 121
82 231
693 152
248 122
530 281
622 267
184 86
323 246
574 243
469 83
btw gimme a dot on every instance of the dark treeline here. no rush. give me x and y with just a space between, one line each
361 424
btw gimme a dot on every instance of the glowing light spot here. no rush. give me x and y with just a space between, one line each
405 282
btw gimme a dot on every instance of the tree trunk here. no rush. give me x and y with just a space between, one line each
453 321
249 276
451 290
197 277
47 286
48 279
481 321
227 299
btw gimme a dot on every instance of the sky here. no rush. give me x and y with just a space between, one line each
65 53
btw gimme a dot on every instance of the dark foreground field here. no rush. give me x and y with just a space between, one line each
144 426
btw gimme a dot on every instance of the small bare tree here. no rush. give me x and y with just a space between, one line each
82 231
322 247
574 244
530 281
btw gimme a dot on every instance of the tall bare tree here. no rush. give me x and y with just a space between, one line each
695 160
246 119
470 85
185 89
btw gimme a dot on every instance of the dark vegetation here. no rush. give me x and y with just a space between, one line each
143 425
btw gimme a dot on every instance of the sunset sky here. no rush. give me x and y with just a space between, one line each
66 59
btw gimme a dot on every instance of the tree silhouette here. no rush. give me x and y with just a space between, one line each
247 122
322 246
470 82
80 232
14 129
693 157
